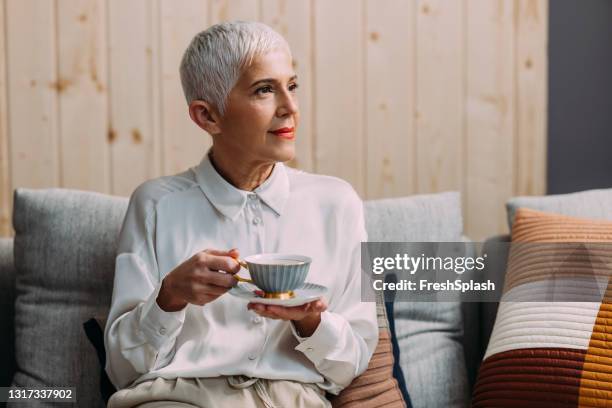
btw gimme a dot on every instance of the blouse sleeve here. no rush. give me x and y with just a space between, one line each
343 343
139 335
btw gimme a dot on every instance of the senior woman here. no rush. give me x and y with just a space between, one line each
174 336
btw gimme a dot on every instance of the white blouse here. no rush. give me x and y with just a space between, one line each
169 219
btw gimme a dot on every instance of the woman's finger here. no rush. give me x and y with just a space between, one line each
262 310
217 262
318 306
220 252
213 289
288 313
225 280
277 311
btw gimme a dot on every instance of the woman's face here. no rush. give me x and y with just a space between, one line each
262 114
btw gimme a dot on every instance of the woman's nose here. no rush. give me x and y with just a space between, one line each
288 105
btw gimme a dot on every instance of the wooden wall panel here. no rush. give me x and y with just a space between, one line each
440 95
397 96
6 202
83 95
532 80
292 19
339 90
490 115
227 10
154 56
390 98
33 89
183 142
134 144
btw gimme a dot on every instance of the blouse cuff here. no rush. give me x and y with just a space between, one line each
325 339
158 325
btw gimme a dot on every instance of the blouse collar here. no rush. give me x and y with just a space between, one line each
230 201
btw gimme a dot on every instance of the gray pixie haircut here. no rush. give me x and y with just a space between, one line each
216 57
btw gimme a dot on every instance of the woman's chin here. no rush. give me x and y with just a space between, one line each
284 154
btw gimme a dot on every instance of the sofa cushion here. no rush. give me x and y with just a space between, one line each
7 312
65 251
552 353
65 243
596 204
429 335
427 217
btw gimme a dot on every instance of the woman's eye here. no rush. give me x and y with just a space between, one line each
293 87
263 89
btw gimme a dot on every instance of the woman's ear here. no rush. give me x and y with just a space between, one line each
205 116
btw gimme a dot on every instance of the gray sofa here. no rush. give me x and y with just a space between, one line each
57 273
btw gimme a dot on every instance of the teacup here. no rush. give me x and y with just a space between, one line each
277 275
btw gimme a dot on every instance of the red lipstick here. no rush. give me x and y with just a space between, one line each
285 133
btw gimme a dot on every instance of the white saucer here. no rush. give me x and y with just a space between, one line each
307 293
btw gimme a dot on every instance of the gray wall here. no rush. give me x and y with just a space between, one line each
580 95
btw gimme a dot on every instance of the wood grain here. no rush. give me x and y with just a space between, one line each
390 98
183 142
532 79
490 115
134 145
339 90
6 199
440 95
397 97
228 10
83 100
33 88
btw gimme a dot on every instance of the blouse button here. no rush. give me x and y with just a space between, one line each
256 220
162 330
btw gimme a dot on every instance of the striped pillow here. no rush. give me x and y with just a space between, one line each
376 387
550 354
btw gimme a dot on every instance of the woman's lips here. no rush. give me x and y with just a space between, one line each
285 133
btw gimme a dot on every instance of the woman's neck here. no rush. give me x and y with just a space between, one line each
238 172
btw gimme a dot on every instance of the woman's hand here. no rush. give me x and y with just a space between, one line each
198 280
306 317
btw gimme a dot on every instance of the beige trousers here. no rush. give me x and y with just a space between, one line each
222 392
